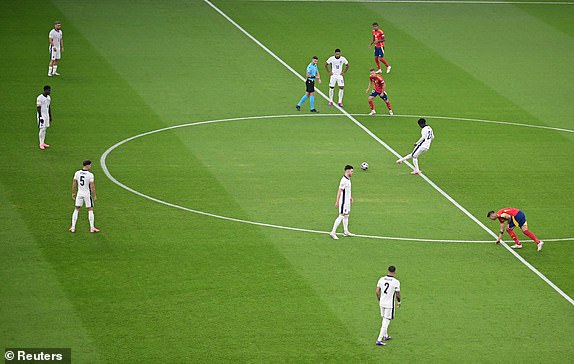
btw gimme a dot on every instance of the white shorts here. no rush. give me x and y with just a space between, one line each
338 79
45 124
418 151
388 313
54 55
344 207
87 199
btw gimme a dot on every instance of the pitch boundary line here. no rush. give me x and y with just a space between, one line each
103 163
430 2
386 146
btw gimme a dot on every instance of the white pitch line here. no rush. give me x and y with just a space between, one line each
386 146
456 2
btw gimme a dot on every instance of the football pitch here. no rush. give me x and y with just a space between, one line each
215 195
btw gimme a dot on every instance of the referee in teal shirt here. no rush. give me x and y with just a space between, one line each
312 75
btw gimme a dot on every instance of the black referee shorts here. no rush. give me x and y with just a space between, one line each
310 84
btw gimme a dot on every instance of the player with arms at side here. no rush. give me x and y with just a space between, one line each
343 203
84 191
312 73
509 218
380 89
56 48
43 115
421 146
379 42
336 72
388 289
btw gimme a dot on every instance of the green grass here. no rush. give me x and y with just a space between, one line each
163 284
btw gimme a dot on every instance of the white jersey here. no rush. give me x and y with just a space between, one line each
44 103
427 137
345 198
337 64
56 36
389 286
84 178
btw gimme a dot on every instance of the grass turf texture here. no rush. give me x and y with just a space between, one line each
163 284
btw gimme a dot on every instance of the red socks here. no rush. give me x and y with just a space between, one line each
531 236
389 105
513 236
377 62
371 104
385 62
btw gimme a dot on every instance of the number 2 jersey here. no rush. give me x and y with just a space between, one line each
83 178
388 286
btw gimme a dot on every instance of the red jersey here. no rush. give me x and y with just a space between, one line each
508 210
378 81
379 35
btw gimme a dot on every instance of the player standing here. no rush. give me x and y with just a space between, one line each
379 42
513 217
312 73
56 48
421 146
380 89
337 72
44 114
343 204
84 191
388 287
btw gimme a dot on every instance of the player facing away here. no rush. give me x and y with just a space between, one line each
84 192
379 42
509 218
312 73
336 72
421 146
388 290
43 115
343 204
380 89
56 48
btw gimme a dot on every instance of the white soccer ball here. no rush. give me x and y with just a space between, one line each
364 166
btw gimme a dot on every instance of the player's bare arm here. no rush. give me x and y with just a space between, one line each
93 189
39 108
62 44
50 113
328 70
369 87
74 188
398 299
501 232
338 197
345 70
378 292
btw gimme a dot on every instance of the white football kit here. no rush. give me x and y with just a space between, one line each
83 179
423 144
44 103
345 198
337 70
55 48
389 286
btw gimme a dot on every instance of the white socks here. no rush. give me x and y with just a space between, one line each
74 218
91 218
340 96
346 223
50 71
331 92
54 68
336 224
416 163
42 135
384 329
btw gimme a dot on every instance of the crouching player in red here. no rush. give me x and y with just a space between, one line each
380 89
513 217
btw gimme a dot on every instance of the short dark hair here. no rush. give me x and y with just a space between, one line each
47 87
375 23
422 121
348 166
57 22
392 269
490 213
315 57
371 70
87 162
337 50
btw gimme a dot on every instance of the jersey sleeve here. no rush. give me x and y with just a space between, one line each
38 101
76 176
398 287
345 60
342 184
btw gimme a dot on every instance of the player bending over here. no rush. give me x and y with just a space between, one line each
509 218
343 204
421 146
84 191
380 89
